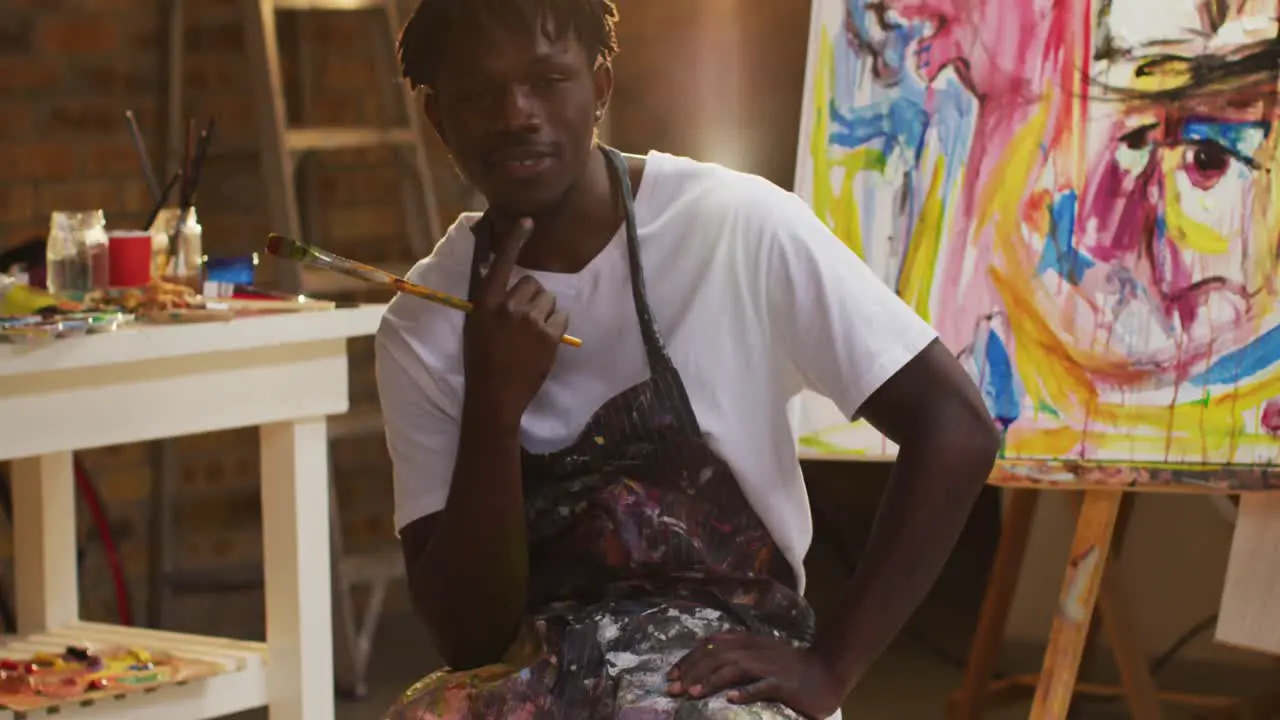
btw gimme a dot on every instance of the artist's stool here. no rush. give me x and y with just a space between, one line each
1087 584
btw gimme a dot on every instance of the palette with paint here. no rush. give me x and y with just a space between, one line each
38 328
84 673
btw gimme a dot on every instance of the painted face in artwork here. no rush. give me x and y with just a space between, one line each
1167 258
1082 197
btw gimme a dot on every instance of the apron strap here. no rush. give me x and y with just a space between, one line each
656 351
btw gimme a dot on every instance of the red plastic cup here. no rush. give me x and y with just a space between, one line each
129 258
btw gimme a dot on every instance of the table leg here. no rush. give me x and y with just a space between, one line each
44 540
295 545
988 637
164 478
1088 561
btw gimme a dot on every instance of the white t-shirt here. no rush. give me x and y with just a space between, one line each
753 296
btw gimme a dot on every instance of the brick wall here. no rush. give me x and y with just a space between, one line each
70 68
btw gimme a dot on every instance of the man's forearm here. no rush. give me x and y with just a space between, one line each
932 489
474 574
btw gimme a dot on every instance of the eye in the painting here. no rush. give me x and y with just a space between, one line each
1133 149
1206 163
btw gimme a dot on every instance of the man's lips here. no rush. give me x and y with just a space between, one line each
521 168
521 163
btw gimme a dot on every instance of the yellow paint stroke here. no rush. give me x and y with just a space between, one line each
1010 178
1185 231
846 217
920 265
1064 441
823 201
1044 361
1060 441
839 211
1163 75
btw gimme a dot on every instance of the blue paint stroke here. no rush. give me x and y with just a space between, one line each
998 386
900 122
1241 139
1060 253
1239 365
896 111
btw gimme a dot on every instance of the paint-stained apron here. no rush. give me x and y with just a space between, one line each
641 544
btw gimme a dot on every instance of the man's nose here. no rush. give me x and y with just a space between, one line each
519 109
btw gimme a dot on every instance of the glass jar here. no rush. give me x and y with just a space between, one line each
178 256
76 251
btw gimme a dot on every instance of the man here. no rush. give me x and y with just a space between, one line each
618 529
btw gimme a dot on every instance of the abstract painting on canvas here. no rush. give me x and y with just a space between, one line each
1082 196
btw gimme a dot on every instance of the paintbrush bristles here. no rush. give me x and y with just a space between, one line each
287 248
311 256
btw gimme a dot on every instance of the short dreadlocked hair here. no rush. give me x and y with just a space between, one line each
423 39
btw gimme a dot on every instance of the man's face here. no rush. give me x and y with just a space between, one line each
517 111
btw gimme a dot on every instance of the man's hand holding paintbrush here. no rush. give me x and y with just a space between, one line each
311 256
520 321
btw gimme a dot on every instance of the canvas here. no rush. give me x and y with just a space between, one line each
1081 196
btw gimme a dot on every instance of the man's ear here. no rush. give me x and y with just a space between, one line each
431 106
602 77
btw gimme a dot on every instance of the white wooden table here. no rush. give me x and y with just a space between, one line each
281 373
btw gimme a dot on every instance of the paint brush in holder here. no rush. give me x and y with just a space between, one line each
191 174
182 261
163 199
140 147
311 256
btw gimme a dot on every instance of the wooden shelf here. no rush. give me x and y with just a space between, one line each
320 139
330 5
242 686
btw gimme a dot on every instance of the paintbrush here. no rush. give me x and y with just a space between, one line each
198 158
164 198
140 147
312 256
191 177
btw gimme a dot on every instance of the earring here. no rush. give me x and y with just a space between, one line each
599 114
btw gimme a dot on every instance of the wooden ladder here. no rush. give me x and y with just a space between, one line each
282 150
284 147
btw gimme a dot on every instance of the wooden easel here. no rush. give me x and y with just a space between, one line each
1087 585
